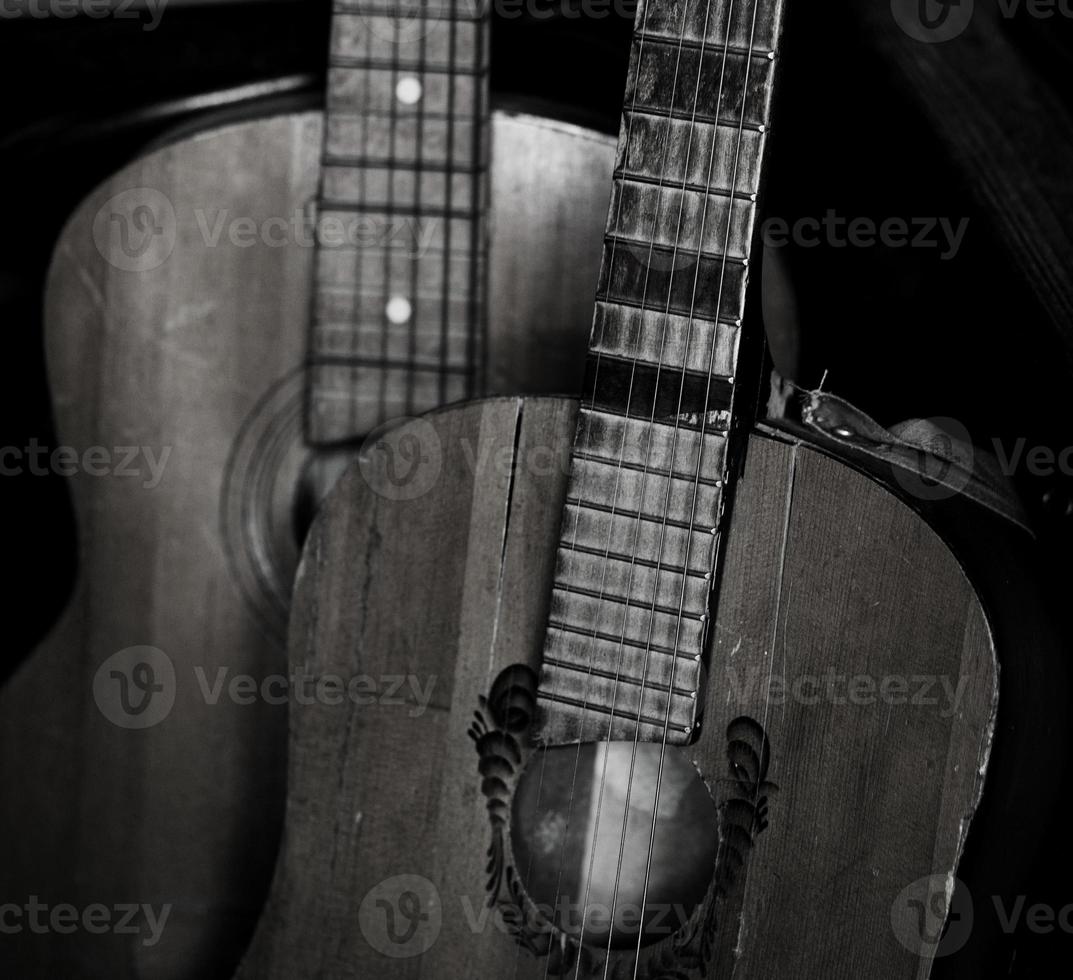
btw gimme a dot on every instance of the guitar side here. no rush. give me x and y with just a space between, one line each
195 364
397 855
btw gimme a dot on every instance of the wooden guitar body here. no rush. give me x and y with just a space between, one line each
170 792
835 792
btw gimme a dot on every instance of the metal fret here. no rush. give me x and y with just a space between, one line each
389 208
335 267
393 33
363 396
367 185
636 442
605 660
618 639
635 208
604 597
712 151
638 517
703 287
648 493
337 306
360 162
641 526
399 295
583 569
353 360
566 545
422 67
665 80
598 719
632 535
615 703
676 341
718 24
649 392
385 141
430 10
376 342
373 87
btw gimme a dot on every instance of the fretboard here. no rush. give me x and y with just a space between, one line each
398 315
641 533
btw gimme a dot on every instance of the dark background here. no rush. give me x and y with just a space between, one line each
900 332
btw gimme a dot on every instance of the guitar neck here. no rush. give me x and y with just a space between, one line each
642 525
401 256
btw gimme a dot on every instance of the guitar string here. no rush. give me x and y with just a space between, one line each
452 37
642 34
474 318
749 56
356 312
640 502
393 123
478 26
415 256
629 400
668 476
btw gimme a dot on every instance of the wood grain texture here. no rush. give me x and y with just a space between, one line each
825 573
202 356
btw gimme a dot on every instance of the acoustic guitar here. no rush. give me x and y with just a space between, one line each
709 697
227 319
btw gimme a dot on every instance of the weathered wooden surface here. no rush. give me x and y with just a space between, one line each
200 356
826 574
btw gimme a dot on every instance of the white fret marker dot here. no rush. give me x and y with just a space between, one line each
398 309
408 90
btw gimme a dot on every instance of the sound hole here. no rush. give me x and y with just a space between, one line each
322 470
596 853
273 484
